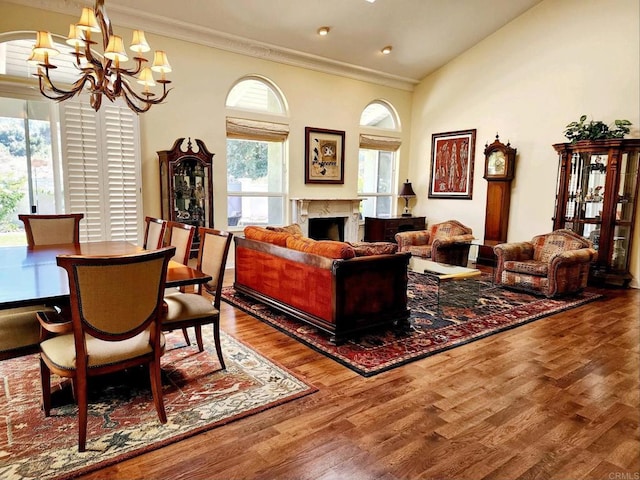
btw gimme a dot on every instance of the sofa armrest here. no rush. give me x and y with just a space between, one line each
518 251
445 241
407 239
571 257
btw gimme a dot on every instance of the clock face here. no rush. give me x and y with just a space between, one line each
496 164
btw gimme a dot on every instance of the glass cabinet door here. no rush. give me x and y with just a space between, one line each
587 177
624 209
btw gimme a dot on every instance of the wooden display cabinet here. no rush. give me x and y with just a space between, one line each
186 186
597 198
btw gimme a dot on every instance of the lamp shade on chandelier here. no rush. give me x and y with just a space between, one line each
102 75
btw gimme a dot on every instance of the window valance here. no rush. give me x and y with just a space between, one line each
375 142
256 130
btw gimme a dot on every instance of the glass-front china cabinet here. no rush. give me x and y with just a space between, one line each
186 186
597 197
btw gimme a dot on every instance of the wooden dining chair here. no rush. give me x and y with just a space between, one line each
52 229
197 309
154 233
116 317
181 237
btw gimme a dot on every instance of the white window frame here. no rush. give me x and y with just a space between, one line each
379 139
260 125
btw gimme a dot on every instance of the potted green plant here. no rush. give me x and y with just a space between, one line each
596 130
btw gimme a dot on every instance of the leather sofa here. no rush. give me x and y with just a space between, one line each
322 283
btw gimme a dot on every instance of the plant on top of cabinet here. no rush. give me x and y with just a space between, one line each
596 130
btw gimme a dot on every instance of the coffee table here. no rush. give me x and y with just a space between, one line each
444 274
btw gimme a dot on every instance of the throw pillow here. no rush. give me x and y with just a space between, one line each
263 235
294 229
365 249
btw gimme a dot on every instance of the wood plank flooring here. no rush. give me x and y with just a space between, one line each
554 399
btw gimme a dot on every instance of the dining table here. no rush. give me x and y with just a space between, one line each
31 275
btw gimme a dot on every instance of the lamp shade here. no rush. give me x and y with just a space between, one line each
139 43
88 21
115 49
160 62
44 44
407 190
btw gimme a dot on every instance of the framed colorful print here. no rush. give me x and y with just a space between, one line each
324 156
452 158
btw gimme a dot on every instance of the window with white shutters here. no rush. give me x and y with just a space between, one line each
101 169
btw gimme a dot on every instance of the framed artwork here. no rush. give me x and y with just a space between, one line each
452 158
324 156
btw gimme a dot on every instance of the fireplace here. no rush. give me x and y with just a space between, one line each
333 214
327 228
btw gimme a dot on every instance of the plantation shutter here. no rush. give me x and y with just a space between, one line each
122 172
101 165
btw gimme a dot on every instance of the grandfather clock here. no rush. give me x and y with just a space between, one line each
499 170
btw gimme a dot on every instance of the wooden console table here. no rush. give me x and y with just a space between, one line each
385 229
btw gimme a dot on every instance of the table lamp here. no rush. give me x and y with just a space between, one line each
406 192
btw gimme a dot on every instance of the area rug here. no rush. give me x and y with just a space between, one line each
122 419
469 310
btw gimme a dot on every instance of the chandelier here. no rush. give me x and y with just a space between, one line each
102 75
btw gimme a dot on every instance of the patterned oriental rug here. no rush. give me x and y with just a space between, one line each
471 310
122 419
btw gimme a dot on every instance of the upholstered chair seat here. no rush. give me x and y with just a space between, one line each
60 350
551 264
446 242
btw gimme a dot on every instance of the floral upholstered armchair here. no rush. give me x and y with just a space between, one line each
446 242
551 264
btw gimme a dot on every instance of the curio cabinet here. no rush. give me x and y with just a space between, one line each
597 197
186 186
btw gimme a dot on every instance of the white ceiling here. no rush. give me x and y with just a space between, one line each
425 34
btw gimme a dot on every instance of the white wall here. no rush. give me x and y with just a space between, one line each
559 60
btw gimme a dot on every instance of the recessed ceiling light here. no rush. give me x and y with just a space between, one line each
371 1
387 50
323 31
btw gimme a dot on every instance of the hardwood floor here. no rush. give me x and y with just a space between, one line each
554 399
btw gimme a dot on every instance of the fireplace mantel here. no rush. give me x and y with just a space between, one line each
348 208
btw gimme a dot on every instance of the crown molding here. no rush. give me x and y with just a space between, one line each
132 18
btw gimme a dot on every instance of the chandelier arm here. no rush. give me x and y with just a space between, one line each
150 101
136 70
136 102
76 88
105 23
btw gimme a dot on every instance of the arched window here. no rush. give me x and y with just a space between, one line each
256 94
256 153
377 159
379 114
